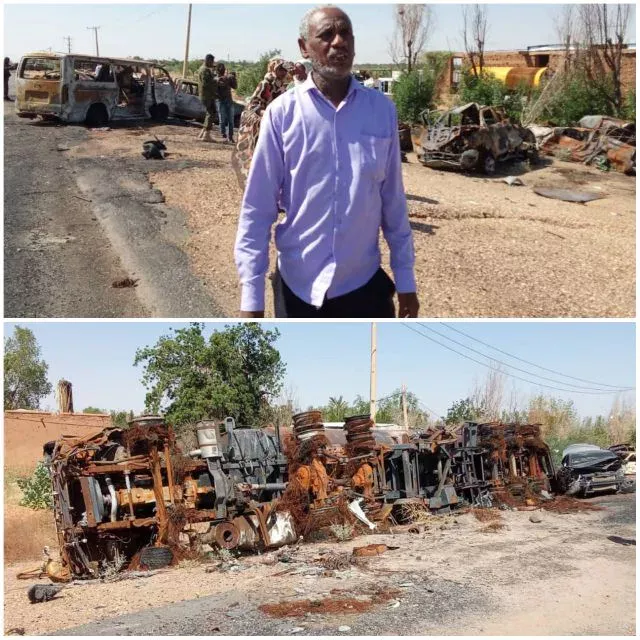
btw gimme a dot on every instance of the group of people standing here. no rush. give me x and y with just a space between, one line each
215 87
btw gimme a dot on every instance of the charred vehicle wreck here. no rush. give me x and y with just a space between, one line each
132 494
587 470
474 138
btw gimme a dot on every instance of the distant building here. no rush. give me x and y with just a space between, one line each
530 65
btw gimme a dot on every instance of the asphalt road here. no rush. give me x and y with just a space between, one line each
57 259
76 225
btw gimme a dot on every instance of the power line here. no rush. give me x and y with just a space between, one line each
511 375
533 364
568 384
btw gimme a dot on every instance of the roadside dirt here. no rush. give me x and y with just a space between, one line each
561 576
483 248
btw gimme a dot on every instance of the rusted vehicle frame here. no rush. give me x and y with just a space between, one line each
483 136
74 91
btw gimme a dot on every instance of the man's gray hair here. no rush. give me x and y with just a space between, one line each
306 18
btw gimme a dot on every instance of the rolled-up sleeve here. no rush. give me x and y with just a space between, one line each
395 217
258 213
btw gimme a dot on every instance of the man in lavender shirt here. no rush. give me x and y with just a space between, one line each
328 155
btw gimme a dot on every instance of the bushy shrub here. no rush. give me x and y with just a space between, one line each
36 489
412 94
630 105
485 89
575 99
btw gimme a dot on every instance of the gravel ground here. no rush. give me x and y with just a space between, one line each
561 576
484 249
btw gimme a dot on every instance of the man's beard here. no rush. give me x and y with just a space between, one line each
329 72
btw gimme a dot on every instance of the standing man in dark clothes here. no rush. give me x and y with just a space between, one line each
208 92
225 102
7 75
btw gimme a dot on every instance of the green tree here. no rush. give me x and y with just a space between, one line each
232 373
462 411
93 410
25 373
337 409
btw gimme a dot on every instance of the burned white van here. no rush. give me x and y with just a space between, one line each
92 90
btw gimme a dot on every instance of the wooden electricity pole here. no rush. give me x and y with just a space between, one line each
95 31
186 48
404 405
374 355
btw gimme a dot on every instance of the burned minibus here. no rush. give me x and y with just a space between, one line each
92 90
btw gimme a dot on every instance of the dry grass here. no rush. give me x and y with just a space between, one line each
486 515
26 531
415 514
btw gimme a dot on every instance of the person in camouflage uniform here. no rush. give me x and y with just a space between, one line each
208 92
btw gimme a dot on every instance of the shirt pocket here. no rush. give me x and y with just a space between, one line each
374 152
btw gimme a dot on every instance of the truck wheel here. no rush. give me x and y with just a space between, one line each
159 112
97 116
488 163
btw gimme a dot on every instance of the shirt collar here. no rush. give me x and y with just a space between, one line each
309 84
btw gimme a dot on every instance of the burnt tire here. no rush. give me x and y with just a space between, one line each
159 112
155 557
97 116
488 163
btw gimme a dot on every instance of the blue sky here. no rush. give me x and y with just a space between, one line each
332 359
243 31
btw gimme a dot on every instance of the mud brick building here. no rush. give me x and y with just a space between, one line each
551 57
26 432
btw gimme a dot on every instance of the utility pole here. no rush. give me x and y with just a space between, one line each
186 49
374 355
95 31
68 41
404 404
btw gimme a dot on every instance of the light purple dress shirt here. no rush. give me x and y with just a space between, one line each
337 174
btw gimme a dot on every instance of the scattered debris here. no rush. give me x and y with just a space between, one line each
344 628
154 149
43 592
535 518
623 541
513 181
372 550
567 195
125 283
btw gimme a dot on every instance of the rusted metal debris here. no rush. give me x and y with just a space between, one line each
473 137
133 497
597 139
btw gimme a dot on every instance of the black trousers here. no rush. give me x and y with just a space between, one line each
372 300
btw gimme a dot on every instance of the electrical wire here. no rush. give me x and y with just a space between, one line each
533 364
511 375
535 375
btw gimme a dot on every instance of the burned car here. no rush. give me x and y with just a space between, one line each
474 138
587 469
189 106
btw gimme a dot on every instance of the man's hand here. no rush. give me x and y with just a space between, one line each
408 305
252 314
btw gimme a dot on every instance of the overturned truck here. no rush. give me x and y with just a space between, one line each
130 495
133 498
